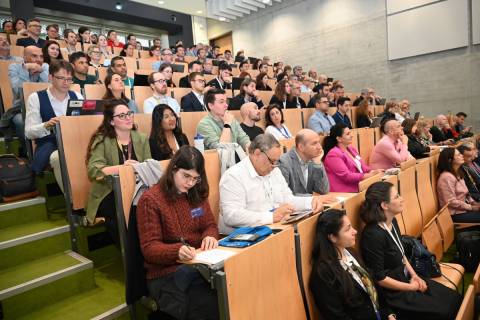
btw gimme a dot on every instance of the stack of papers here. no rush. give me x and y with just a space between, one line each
213 256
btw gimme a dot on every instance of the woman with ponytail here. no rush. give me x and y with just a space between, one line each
408 295
345 168
341 287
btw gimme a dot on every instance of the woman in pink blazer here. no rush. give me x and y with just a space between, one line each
345 169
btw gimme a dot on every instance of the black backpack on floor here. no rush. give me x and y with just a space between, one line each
468 247
16 177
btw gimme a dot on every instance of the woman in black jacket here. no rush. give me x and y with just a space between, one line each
364 114
166 137
415 145
341 287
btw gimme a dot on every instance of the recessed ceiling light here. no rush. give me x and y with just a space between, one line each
200 11
222 18
161 2
119 6
266 1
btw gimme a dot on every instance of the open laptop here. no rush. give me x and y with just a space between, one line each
178 68
140 80
236 83
416 116
84 107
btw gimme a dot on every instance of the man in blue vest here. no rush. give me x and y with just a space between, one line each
43 110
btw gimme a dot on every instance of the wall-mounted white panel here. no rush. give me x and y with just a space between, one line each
476 21
436 27
400 5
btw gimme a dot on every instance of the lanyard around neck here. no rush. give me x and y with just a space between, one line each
286 135
395 238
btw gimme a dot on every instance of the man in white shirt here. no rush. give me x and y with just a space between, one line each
43 112
254 191
158 83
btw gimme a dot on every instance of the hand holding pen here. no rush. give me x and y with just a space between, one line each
186 252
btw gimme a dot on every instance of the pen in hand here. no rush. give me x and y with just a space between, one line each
186 252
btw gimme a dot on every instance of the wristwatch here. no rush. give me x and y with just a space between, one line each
226 125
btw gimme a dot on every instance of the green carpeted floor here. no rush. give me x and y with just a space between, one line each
26 229
28 271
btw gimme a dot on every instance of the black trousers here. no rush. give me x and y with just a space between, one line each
466 217
184 294
106 209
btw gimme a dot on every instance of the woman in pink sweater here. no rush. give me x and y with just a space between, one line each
345 169
452 190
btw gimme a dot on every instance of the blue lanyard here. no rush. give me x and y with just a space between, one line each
286 135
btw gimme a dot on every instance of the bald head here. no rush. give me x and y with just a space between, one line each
33 54
250 113
307 144
393 128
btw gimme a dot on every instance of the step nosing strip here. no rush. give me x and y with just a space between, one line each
43 280
34 236
21 204
112 313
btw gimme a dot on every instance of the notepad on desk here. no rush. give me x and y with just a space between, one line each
213 256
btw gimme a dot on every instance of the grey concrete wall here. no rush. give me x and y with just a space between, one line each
347 39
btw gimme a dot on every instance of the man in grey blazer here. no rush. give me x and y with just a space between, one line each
302 166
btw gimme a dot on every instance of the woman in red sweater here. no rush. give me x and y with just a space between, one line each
175 220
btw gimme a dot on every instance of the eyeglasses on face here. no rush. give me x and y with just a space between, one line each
68 80
189 178
274 163
160 81
123 116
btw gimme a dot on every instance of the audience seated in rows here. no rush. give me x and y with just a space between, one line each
208 66
320 121
79 61
423 132
166 136
34 30
167 70
341 116
296 92
302 166
193 66
84 33
224 79
261 82
254 191
220 126
43 110
392 148
248 93
452 190
274 123
119 66
51 51
158 84
405 109
369 95
459 125
415 146
94 56
103 45
342 288
250 115
345 168
364 114
170 231
128 50
407 294
470 169
115 90
167 57
179 54
194 101
20 26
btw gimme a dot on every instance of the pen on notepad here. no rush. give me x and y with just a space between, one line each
185 243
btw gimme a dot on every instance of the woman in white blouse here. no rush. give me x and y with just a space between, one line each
274 123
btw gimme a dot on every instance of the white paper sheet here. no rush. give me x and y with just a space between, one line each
213 256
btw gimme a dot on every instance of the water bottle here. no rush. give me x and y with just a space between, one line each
198 142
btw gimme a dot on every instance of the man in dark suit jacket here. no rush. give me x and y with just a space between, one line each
224 79
248 93
34 29
194 100
194 66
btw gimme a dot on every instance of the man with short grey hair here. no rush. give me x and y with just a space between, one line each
254 191
167 57
302 166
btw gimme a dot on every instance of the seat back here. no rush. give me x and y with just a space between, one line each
425 191
287 144
179 93
6 85
16 50
31 87
293 120
379 109
189 122
265 96
467 309
364 184
366 143
141 93
306 114
412 214
352 207
176 76
432 239
446 227
434 174
97 91
355 138
476 280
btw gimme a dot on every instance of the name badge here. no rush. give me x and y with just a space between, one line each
197 212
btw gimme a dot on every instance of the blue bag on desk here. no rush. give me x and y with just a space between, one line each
262 232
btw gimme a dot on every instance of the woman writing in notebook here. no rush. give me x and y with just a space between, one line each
174 219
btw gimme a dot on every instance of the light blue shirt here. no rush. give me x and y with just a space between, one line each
320 122
18 74
150 103
156 65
